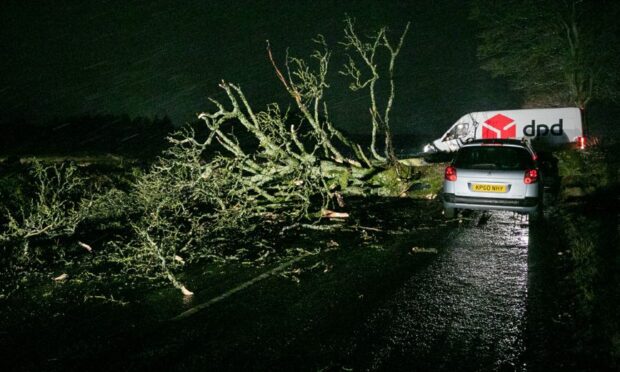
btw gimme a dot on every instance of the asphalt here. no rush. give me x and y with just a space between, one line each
401 290
465 311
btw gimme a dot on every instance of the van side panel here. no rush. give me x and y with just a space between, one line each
555 126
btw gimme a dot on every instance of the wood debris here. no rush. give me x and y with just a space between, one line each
61 277
86 246
186 292
327 213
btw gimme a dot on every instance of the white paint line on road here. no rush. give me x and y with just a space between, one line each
197 308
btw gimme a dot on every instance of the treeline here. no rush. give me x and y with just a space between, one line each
138 137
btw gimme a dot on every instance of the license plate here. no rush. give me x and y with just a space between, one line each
485 187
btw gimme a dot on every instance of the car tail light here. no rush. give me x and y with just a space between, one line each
450 174
531 176
581 142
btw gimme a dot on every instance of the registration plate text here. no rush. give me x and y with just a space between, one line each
485 187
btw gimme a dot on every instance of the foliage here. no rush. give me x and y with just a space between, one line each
307 87
195 204
13 192
595 173
367 55
583 172
50 213
588 234
590 256
591 243
554 52
186 209
54 211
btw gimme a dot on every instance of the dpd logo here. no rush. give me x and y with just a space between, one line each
499 126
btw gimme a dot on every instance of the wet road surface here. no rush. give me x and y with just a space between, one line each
465 311
467 300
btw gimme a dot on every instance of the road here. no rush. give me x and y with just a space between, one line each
418 294
465 311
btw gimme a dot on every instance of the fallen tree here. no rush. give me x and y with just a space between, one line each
301 166
192 205
279 141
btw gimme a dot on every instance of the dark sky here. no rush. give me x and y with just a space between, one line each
63 58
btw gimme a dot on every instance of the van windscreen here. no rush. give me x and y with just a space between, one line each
494 157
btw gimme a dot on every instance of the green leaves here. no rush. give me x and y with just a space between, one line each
57 206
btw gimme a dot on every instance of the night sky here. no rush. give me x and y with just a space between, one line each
64 58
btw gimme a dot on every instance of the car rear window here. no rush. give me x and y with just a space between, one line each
494 157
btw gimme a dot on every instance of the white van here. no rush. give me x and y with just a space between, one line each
548 127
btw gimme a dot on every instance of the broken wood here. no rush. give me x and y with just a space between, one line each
61 277
86 246
333 214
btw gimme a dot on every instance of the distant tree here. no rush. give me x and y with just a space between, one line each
553 52
139 137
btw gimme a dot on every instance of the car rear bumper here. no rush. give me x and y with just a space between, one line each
525 205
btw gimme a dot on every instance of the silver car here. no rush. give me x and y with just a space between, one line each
493 174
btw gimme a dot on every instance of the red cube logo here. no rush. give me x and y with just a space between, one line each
499 126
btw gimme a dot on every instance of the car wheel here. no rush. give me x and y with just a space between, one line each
449 212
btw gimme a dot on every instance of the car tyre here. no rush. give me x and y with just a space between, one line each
449 212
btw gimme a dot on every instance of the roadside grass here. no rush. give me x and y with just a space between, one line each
431 176
588 217
585 173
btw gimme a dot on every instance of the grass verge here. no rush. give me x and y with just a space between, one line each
588 255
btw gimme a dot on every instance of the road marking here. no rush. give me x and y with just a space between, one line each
197 308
